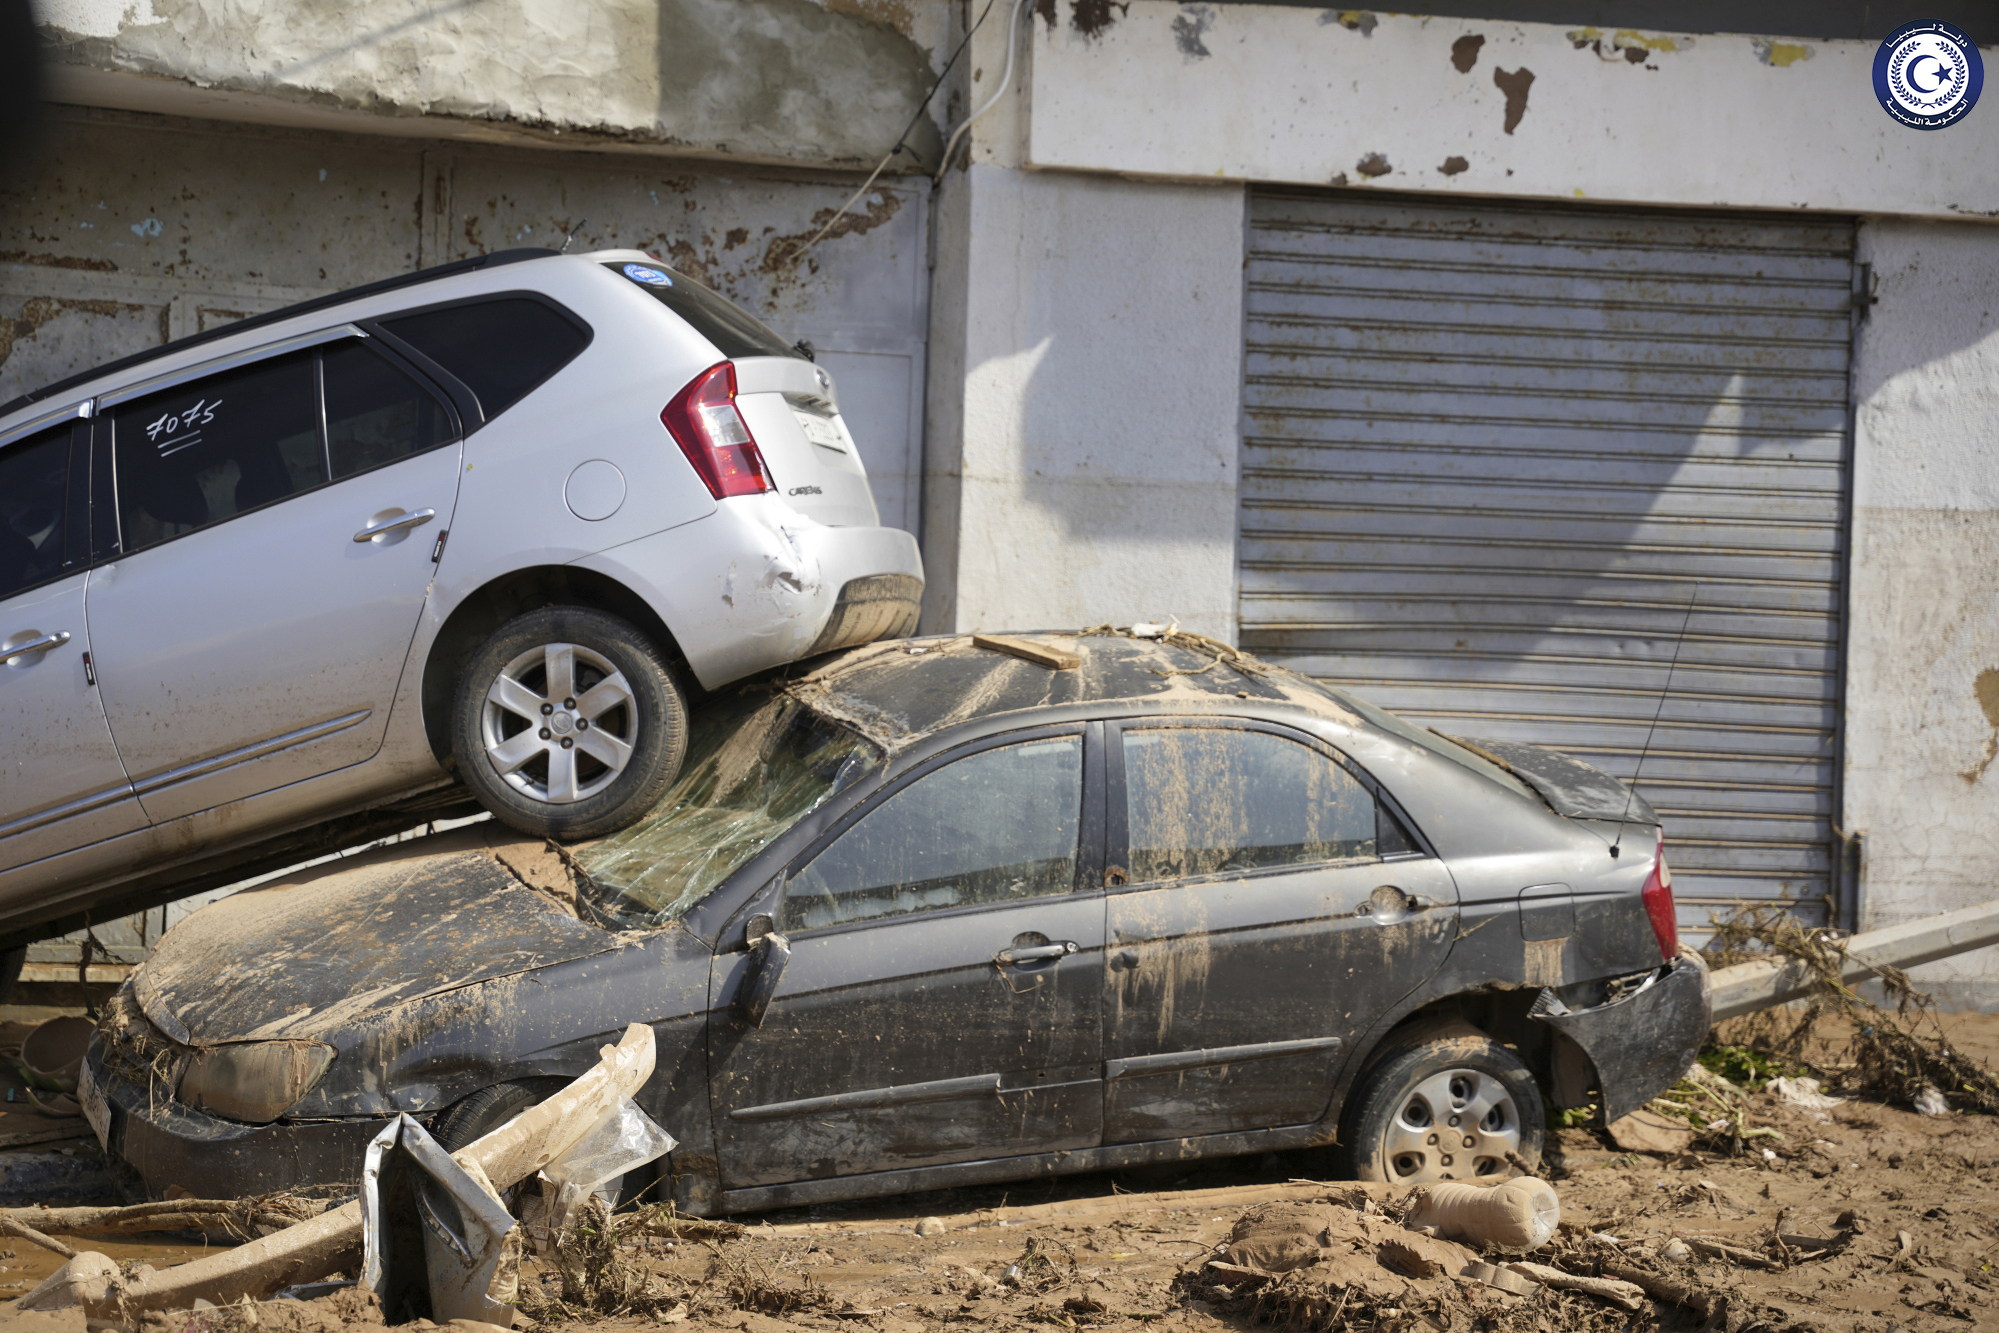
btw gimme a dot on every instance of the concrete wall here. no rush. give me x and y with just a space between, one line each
1923 659
827 83
1470 106
1087 448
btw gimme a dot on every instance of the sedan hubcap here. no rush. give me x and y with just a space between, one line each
559 723
1452 1126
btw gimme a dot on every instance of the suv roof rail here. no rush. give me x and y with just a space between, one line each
422 275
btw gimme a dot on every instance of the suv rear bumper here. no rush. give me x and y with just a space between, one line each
169 1144
755 584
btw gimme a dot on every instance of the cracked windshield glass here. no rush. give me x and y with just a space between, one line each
756 765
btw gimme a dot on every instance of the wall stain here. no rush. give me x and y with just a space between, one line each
1464 52
1374 164
1189 27
1452 166
37 311
1986 690
1353 20
1045 9
58 261
1780 55
783 253
1091 17
1515 86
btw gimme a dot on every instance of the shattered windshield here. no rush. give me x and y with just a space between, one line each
756 765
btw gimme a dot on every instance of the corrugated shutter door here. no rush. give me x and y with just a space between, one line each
1488 455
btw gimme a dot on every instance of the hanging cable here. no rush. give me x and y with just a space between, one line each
902 140
1005 84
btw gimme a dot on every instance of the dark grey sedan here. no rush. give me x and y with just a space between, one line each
925 913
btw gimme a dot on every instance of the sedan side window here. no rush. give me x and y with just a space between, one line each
204 452
34 481
996 826
1211 800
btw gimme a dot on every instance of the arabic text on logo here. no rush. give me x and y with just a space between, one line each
1928 74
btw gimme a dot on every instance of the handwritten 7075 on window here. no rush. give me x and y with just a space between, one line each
175 431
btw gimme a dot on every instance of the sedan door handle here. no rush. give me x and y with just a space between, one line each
388 525
1035 953
10 651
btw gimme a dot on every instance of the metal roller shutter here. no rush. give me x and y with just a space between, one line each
1490 452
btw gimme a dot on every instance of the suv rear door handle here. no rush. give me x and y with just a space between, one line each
9 652
1035 953
388 525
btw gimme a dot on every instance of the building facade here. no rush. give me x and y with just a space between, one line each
1632 390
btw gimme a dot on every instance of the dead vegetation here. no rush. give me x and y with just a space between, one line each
1891 1054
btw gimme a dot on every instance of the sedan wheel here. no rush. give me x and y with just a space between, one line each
568 724
1452 1109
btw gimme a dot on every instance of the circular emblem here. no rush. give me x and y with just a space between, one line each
652 277
1928 74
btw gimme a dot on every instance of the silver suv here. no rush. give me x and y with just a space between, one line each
494 520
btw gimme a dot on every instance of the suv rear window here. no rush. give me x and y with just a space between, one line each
501 348
734 330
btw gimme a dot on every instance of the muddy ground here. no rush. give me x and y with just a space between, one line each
1894 1215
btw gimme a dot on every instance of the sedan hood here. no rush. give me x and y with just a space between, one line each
1569 786
304 956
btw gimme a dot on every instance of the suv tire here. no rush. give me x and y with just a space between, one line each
1448 1109
586 760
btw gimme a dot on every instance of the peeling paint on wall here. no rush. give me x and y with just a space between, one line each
1515 86
1464 52
1092 17
1986 690
1781 55
1374 164
1453 165
1353 20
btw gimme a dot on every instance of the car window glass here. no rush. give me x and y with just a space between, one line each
1210 800
500 349
209 450
34 479
994 827
734 330
375 414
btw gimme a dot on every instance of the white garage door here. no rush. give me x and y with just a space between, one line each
1493 456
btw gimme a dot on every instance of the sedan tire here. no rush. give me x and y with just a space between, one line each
567 724
1449 1109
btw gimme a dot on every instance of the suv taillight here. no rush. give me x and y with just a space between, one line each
1658 899
704 422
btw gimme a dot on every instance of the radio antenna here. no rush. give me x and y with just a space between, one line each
1631 792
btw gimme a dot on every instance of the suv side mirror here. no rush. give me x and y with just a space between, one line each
760 925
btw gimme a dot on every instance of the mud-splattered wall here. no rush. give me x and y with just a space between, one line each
1923 663
828 83
1401 102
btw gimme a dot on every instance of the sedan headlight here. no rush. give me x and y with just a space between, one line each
254 1081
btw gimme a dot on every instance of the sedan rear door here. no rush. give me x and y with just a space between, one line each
1277 905
939 1001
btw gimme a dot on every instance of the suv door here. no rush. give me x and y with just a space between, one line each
277 524
1277 906
940 1000
61 785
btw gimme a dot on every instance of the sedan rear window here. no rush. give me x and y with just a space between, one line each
755 766
734 330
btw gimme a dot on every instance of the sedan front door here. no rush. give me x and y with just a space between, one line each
939 1001
1276 906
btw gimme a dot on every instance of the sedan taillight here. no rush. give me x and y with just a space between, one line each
1658 899
704 422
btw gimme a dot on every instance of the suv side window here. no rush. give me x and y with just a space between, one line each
997 826
1215 800
375 414
501 348
202 452
34 491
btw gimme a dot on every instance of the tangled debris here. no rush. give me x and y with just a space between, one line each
1172 635
1900 1055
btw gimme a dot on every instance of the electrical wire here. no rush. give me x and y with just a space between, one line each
1005 85
902 140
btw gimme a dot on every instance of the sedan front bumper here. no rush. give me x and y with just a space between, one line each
1641 1042
169 1144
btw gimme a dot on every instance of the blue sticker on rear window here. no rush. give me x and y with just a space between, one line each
651 277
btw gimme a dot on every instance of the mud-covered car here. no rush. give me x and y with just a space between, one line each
928 914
